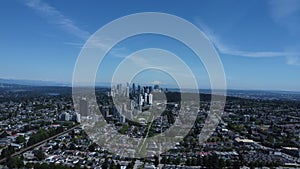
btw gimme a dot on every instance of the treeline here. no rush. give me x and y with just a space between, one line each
17 162
213 161
43 134
207 161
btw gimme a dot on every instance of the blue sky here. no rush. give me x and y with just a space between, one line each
258 41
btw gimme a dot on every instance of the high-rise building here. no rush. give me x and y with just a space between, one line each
133 89
119 89
76 117
105 112
146 97
150 98
142 90
83 107
147 90
122 119
132 105
139 89
141 100
111 93
127 92
246 118
124 107
64 116
150 89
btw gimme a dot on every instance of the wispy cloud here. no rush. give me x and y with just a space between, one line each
293 60
230 50
54 16
156 82
286 13
77 44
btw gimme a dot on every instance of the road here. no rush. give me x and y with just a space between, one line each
39 143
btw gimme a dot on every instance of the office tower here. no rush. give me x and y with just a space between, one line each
124 107
150 98
150 89
131 104
122 119
142 90
119 88
64 116
147 90
133 89
246 118
105 112
139 89
115 89
127 92
146 97
141 100
83 107
76 117
112 93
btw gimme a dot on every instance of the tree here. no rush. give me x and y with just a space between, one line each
188 161
112 165
130 165
92 147
7 152
77 166
28 165
118 166
40 155
44 166
15 163
164 160
20 139
72 146
177 161
156 161
194 161
3 134
124 129
105 164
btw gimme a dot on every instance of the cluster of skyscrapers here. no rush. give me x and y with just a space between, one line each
139 97
70 116
120 90
142 96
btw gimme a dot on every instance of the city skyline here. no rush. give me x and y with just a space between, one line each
258 41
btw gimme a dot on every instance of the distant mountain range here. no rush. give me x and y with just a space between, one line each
32 82
42 83
51 83
248 94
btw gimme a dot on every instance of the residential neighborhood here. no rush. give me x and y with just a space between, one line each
42 129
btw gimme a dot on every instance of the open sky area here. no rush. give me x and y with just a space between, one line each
257 41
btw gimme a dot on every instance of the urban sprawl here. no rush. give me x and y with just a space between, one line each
40 128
